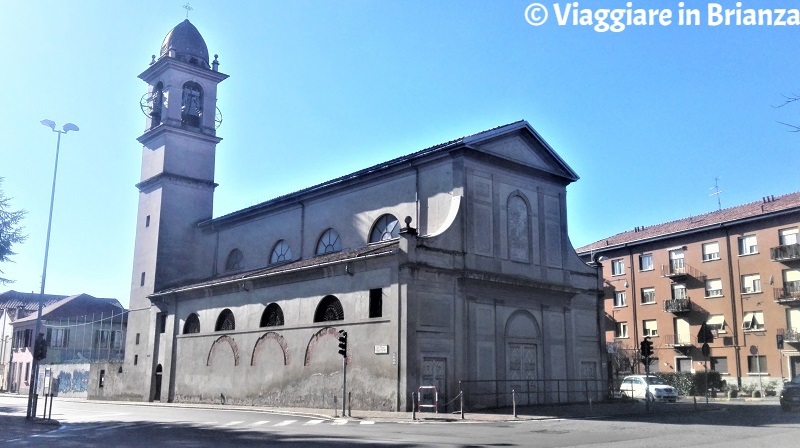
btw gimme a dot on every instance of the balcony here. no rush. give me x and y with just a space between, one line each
677 306
790 335
787 252
789 294
678 269
678 340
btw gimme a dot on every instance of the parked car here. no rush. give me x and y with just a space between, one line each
790 394
648 388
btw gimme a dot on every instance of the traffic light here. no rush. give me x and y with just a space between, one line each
780 341
646 347
343 343
40 348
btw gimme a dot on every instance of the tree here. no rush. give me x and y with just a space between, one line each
10 230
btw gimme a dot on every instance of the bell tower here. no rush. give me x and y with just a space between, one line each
176 191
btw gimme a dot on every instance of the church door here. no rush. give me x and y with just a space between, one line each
434 373
157 394
521 372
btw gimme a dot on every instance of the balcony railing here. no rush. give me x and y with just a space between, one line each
790 334
678 305
790 293
785 253
678 340
679 269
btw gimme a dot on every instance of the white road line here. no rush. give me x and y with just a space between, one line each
285 423
230 424
313 422
339 421
367 422
259 423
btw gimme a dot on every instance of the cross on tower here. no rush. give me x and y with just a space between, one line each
188 8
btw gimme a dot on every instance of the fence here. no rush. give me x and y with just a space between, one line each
483 394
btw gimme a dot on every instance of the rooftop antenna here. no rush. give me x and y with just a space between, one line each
716 192
188 8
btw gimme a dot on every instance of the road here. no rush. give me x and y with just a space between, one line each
90 424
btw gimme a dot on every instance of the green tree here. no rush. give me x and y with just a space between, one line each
10 230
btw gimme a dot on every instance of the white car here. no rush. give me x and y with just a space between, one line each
647 387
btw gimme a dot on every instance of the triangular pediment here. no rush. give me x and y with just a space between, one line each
521 144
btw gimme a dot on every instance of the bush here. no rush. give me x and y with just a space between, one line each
687 383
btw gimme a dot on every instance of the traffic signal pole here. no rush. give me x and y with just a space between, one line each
343 352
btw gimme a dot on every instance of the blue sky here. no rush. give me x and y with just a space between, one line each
648 117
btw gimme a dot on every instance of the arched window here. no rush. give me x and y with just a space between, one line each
518 229
281 252
234 260
385 228
329 309
192 104
225 321
329 242
158 102
272 316
192 324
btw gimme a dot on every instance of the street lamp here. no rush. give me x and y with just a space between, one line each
35 371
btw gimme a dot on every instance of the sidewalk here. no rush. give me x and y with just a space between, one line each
17 426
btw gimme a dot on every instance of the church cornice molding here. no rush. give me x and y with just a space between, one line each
158 131
164 64
159 179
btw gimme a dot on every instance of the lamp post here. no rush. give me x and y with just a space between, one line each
35 370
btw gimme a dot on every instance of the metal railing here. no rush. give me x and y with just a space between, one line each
679 268
789 293
678 305
484 394
790 334
785 252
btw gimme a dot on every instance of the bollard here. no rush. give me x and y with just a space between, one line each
514 402
349 404
413 408
335 408
461 402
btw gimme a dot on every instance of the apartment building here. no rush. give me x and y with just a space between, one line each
736 270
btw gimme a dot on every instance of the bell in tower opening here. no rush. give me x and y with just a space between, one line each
192 104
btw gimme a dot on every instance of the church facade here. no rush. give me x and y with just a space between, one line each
448 264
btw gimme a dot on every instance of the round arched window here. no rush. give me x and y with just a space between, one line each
234 260
385 228
225 321
329 309
272 316
192 324
281 252
329 242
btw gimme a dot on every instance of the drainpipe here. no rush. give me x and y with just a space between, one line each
734 316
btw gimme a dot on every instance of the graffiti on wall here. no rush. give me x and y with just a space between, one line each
76 381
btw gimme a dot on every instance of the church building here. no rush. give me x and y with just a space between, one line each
450 264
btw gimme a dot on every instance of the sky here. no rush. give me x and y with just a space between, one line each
650 117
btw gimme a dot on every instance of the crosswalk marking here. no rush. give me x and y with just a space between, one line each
230 424
339 421
367 422
285 423
313 422
259 423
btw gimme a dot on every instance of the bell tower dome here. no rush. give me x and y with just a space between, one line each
176 192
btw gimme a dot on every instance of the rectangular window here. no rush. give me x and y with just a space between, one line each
101 338
748 245
648 295
711 251
376 302
141 282
788 236
650 327
27 338
618 267
716 322
116 339
621 330
619 299
751 283
102 378
162 322
714 287
646 262
137 338
147 221
57 337
27 371
684 364
135 359
719 364
756 364
678 291
791 282
753 321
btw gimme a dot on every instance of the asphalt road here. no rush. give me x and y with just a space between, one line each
90 424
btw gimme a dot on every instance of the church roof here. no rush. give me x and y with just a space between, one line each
376 249
767 206
467 141
188 44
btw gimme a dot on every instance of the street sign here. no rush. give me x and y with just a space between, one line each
706 350
705 335
753 350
